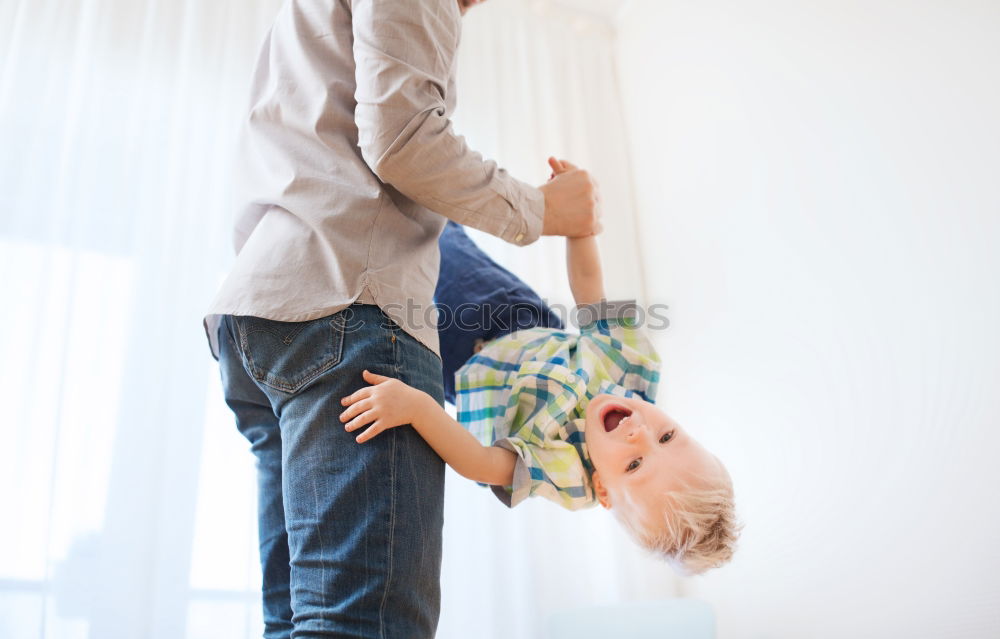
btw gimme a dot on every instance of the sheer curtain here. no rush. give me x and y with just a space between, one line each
127 493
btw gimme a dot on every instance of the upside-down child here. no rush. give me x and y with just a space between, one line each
569 417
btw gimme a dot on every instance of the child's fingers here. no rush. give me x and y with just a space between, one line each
356 395
356 409
359 421
568 166
374 378
558 167
373 430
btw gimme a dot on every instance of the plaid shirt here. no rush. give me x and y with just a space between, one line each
528 392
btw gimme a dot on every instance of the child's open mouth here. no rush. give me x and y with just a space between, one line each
613 415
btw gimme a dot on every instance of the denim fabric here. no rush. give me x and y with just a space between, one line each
350 534
477 299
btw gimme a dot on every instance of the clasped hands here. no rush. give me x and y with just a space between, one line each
572 201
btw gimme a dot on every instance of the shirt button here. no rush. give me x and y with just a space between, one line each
519 237
571 378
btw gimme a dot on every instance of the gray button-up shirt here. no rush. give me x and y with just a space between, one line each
348 166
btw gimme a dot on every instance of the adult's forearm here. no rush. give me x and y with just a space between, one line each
434 167
404 55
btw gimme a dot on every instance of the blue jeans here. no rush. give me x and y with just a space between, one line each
479 300
350 534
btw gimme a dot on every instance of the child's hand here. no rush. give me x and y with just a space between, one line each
558 166
385 404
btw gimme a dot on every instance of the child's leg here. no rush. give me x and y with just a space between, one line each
479 300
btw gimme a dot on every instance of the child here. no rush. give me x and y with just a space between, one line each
568 417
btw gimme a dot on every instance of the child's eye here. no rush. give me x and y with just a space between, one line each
666 437
633 465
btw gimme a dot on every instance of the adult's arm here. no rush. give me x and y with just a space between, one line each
403 54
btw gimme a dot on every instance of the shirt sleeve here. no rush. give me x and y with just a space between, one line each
404 56
538 427
616 348
552 470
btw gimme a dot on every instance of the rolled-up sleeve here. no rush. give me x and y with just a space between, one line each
552 470
404 55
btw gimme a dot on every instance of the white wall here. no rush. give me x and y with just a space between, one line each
819 204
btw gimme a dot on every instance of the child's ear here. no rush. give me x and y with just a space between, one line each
600 491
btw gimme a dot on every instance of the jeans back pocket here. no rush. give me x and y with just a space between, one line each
288 355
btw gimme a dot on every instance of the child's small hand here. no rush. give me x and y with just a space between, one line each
558 166
385 404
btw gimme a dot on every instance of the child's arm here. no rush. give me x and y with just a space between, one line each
388 403
583 257
583 263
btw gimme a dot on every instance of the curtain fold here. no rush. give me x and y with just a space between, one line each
129 493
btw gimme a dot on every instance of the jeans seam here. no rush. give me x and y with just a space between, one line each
322 549
392 495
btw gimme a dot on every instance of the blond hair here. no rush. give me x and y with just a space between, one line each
696 530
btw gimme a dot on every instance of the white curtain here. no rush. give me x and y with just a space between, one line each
127 493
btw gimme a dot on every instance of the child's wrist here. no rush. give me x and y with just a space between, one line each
425 409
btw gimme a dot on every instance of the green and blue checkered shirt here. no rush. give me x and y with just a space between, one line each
528 392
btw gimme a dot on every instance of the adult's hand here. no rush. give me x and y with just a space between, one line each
572 202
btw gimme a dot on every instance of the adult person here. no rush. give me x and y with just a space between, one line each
349 171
